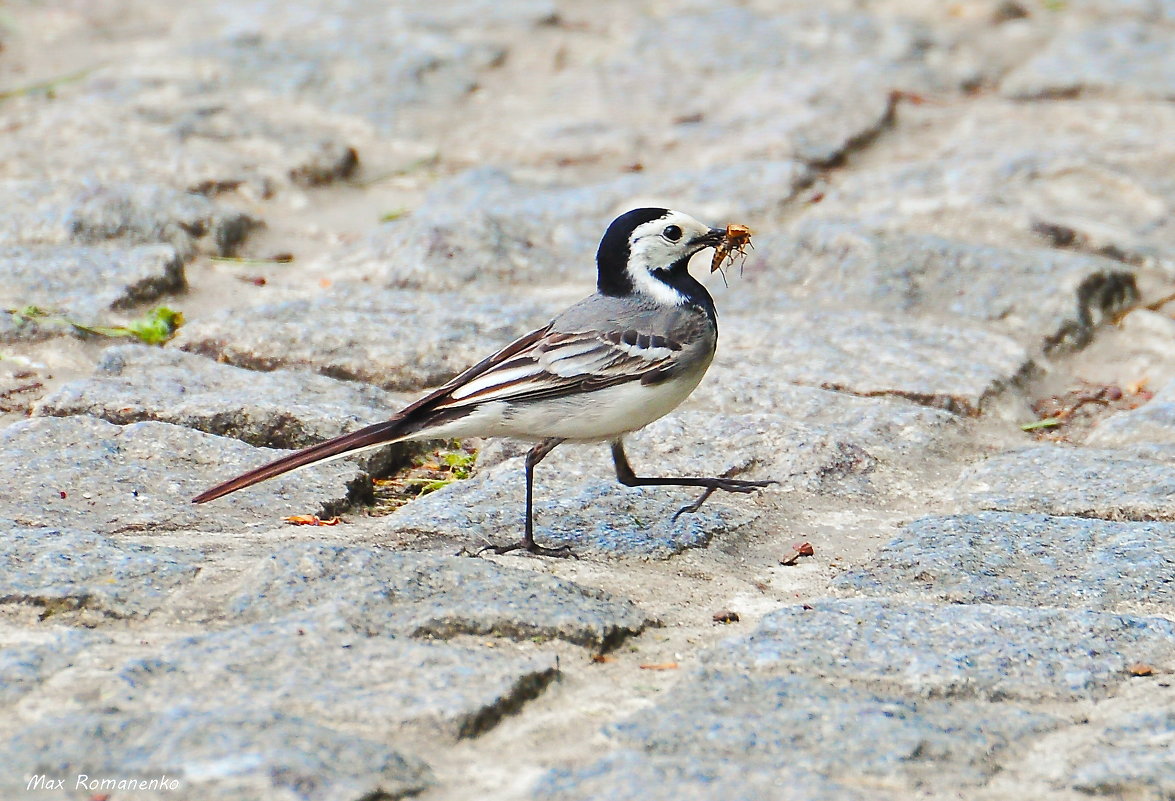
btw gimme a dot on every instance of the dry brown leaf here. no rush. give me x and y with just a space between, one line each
312 520
798 550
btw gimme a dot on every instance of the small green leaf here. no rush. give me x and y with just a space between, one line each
394 214
154 328
280 258
102 330
28 313
1048 422
157 326
45 87
433 486
458 458
460 463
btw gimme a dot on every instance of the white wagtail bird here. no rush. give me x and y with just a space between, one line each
609 365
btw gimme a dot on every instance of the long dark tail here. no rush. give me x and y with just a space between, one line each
374 435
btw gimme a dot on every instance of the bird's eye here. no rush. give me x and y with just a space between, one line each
672 233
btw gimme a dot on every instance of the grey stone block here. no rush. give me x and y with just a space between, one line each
890 423
590 514
433 597
316 664
1098 184
398 68
154 213
29 658
485 228
395 340
820 85
815 442
1025 560
629 775
1086 482
1128 754
87 473
62 212
371 61
37 213
87 283
1152 423
835 263
278 409
952 651
1126 58
958 367
233 753
177 128
841 733
65 571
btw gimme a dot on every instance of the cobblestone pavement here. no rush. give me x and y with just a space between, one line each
953 346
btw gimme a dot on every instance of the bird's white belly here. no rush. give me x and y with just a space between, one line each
591 416
603 414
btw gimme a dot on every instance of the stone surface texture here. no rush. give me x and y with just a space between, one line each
949 349
434 597
279 409
439 335
141 477
86 283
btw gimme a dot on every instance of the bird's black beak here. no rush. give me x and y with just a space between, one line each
711 239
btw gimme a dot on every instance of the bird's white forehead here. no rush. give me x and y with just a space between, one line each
686 223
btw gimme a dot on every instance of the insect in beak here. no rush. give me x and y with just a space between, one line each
734 240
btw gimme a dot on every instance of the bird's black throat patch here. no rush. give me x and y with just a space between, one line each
678 276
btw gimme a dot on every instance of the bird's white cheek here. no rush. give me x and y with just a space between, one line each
652 251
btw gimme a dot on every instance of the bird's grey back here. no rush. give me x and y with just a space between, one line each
681 324
688 331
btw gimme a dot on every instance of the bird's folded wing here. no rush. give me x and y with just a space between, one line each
549 364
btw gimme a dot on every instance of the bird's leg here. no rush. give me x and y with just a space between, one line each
533 457
628 478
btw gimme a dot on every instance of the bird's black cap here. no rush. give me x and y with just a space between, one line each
612 257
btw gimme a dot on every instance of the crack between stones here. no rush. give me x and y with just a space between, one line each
607 640
53 606
947 403
525 689
1064 237
1100 297
1118 516
173 281
860 141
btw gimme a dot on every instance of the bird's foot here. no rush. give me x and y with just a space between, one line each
726 485
530 546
